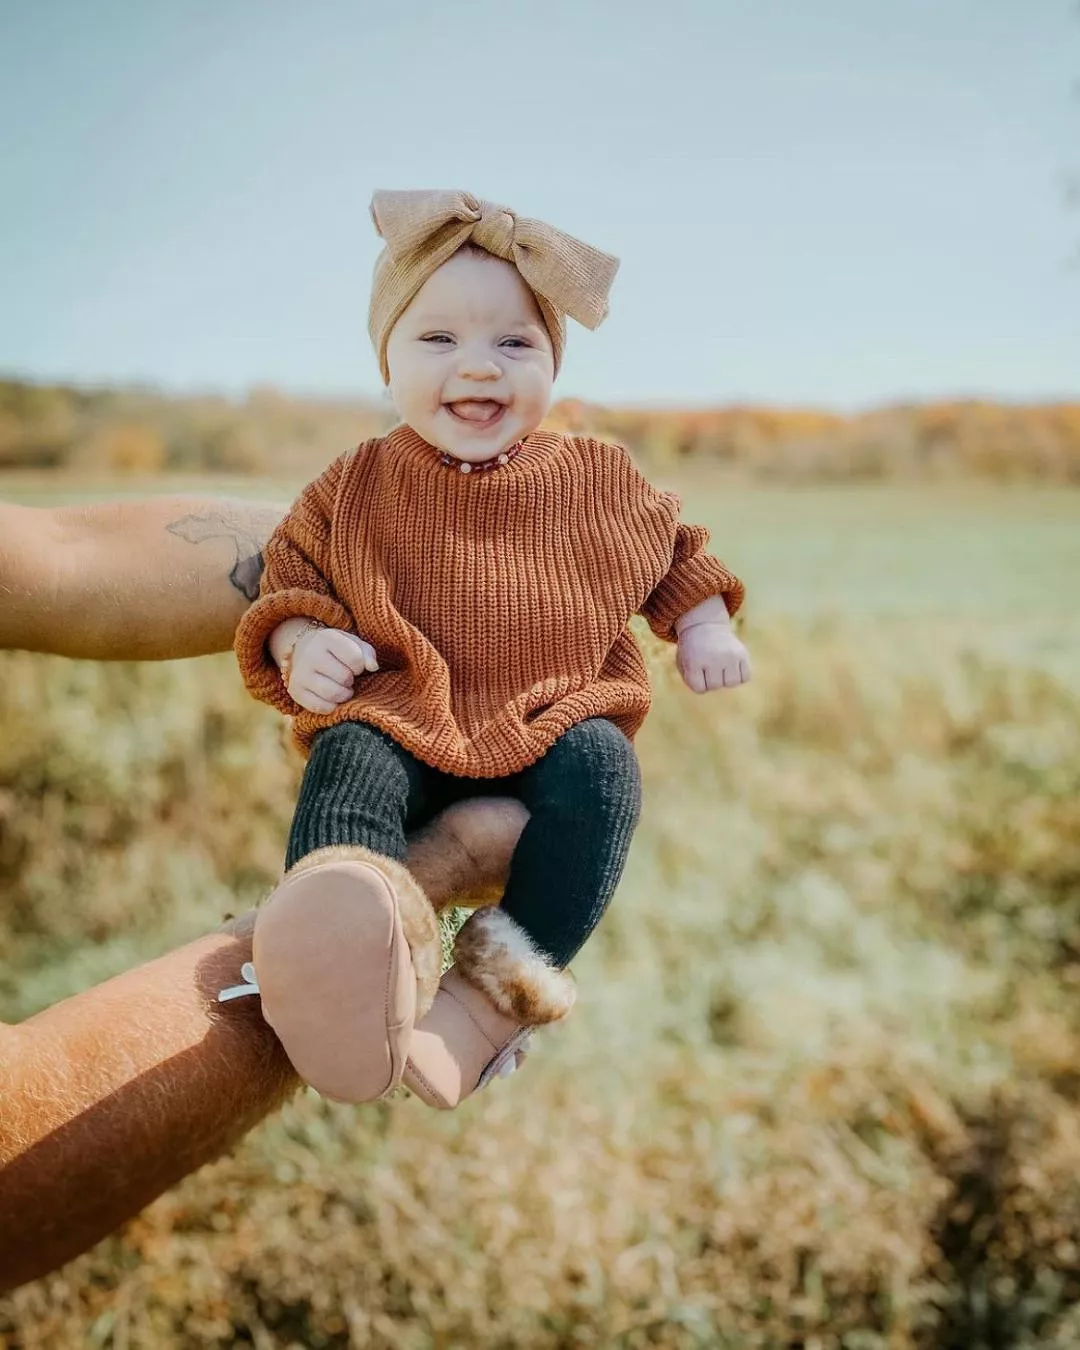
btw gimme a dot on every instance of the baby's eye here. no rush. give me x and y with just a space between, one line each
513 342
441 338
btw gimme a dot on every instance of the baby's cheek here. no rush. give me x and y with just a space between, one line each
534 397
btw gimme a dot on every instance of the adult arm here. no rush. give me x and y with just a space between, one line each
114 1095
155 579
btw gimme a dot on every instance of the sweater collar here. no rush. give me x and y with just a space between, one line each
535 448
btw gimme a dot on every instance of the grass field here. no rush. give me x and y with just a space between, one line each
822 1086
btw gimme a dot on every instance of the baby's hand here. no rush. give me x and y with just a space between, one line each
710 657
323 667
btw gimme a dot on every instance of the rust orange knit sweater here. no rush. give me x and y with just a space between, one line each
497 602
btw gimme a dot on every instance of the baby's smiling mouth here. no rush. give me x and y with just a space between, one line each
478 412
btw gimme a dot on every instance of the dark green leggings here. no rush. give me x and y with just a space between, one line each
583 798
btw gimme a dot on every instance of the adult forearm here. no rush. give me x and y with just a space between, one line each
114 1095
147 580
111 1097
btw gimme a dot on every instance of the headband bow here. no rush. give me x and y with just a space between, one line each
423 229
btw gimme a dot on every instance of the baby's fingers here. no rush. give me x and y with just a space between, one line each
356 655
327 687
729 674
694 676
309 700
722 675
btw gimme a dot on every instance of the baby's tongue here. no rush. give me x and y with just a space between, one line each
476 409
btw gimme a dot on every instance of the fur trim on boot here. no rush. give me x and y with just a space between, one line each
496 956
418 921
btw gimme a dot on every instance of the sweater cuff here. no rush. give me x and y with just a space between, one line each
687 585
257 666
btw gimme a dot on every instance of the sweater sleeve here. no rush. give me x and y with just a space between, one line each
694 576
297 580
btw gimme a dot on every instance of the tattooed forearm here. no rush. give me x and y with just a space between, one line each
247 529
120 581
245 575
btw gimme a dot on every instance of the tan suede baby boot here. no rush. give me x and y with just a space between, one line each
487 1004
346 959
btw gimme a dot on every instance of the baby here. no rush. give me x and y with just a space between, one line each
444 613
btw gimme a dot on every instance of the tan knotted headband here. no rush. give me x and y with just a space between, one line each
423 229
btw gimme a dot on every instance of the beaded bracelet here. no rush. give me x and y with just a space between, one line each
287 659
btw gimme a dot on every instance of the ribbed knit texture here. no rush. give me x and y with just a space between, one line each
357 789
583 797
497 603
584 802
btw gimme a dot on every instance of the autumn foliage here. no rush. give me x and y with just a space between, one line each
141 431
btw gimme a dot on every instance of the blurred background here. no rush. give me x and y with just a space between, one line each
821 1088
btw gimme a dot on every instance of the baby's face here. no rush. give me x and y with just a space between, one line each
471 364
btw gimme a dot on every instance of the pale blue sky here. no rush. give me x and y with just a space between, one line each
834 202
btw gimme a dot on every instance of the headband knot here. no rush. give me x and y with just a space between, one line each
494 231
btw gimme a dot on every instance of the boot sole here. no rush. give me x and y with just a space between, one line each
336 979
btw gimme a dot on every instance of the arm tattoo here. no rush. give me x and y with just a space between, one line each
248 532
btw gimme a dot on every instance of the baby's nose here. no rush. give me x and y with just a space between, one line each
474 367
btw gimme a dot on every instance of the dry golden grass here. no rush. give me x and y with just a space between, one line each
820 1091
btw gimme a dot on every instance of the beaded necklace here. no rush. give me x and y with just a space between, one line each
486 466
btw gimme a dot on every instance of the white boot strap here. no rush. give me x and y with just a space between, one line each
250 985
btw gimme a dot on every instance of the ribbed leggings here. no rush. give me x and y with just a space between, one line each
583 798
